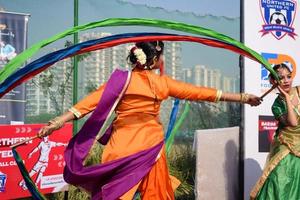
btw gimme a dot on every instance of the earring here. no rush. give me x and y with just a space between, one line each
158 48
154 60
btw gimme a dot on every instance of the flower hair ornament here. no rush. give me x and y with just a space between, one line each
141 57
286 64
289 66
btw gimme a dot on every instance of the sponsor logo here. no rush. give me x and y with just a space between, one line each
278 16
267 127
275 59
3 178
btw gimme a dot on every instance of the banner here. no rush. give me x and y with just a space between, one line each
43 159
267 128
271 28
13 40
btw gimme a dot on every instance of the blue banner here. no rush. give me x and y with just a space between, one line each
13 40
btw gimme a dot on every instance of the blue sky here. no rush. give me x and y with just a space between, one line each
49 17
229 8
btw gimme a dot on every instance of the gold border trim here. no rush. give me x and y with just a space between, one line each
75 112
102 131
290 146
268 169
115 104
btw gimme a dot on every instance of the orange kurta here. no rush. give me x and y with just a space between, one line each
137 126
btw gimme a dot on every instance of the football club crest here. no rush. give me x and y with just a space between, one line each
278 16
3 178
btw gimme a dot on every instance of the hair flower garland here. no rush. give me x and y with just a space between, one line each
140 55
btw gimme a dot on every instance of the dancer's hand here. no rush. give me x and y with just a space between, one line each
253 100
284 93
53 124
46 130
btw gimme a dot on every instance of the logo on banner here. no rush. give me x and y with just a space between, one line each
279 16
275 59
3 178
267 128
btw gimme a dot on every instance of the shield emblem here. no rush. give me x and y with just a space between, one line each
278 17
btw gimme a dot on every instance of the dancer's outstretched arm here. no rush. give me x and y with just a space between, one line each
56 123
242 98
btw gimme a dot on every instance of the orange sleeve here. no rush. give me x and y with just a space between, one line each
87 104
182 90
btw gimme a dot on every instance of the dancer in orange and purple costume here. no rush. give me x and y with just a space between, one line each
134 157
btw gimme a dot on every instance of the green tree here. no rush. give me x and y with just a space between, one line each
56 90
42 118
90 87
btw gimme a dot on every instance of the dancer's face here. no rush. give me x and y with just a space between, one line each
286 78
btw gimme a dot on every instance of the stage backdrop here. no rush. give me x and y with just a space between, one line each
272 29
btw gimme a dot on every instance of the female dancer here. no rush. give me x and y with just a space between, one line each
280 178
137 129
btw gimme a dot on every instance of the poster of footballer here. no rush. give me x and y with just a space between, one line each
43 159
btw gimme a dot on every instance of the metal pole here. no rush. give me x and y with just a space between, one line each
242 110
75 65
75 78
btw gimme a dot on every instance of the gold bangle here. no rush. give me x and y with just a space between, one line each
218 96
57 122
244 97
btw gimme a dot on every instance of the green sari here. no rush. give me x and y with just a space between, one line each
281 176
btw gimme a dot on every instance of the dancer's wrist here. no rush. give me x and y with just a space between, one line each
244 97
57 123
